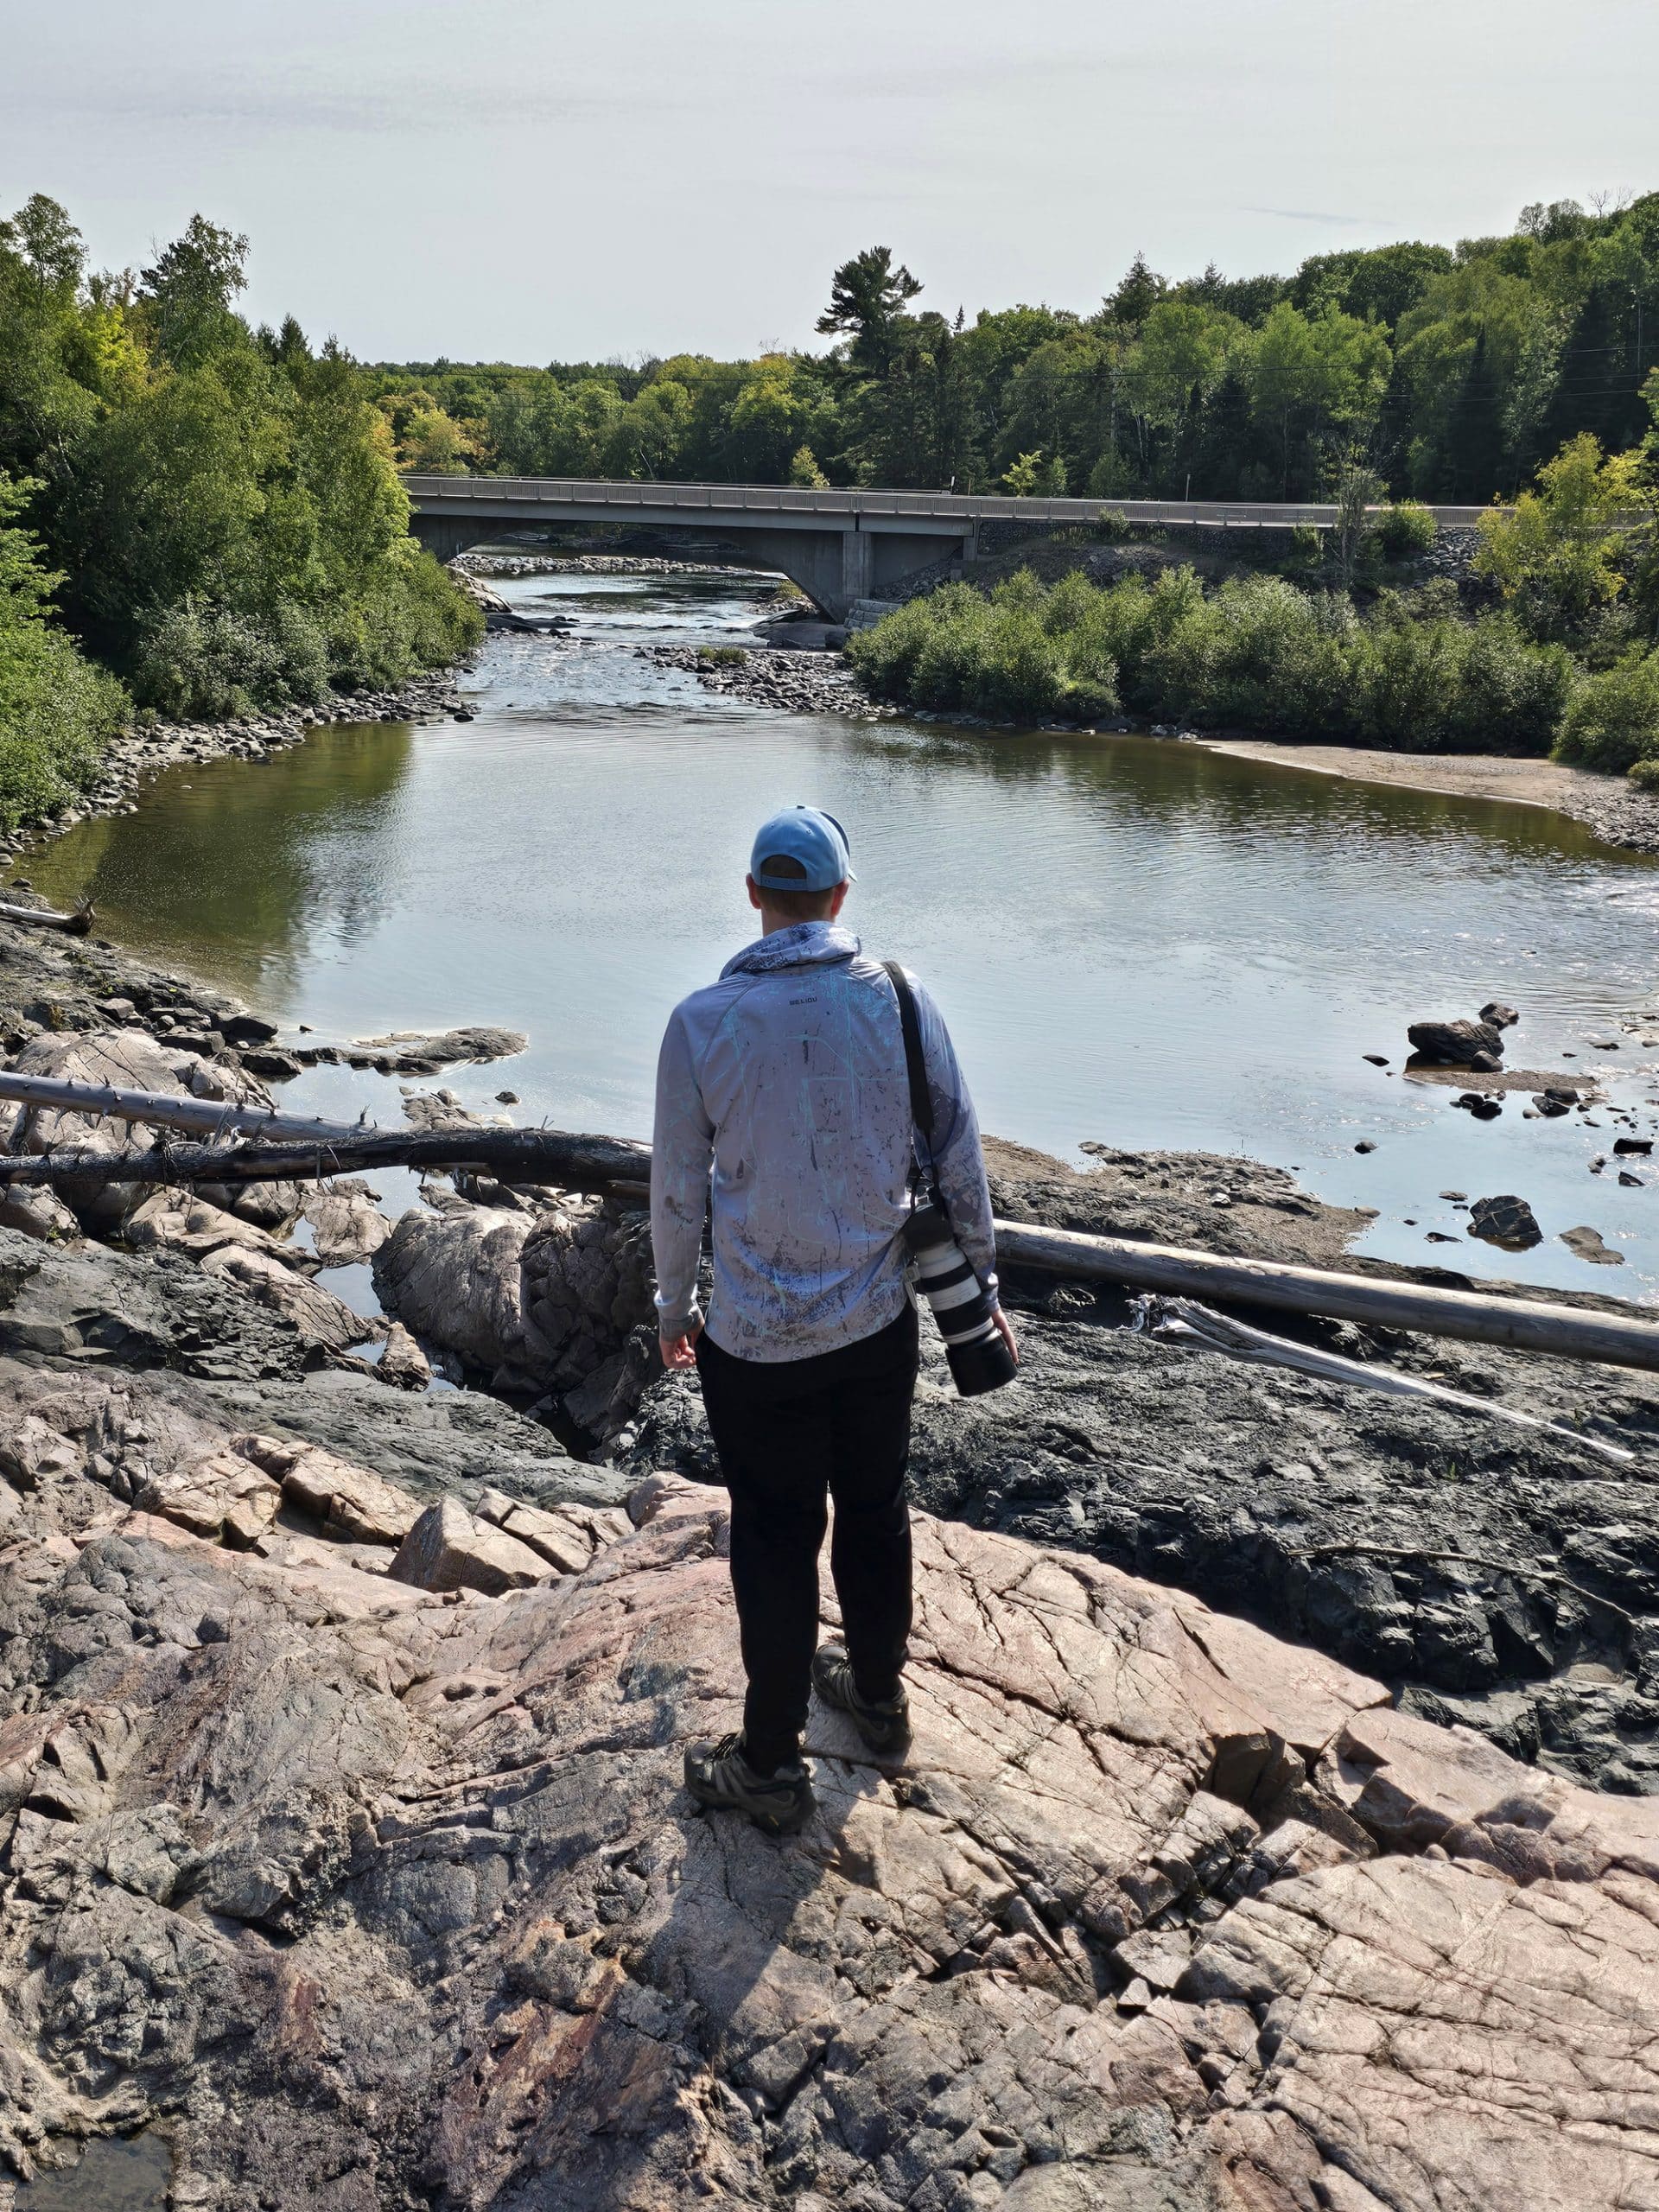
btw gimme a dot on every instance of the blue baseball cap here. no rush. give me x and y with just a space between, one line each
816 841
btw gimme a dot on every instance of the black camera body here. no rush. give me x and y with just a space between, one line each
964 1310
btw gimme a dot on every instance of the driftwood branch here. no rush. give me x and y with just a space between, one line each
165 1110
80 924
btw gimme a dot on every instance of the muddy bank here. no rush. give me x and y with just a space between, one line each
143 751
1617 813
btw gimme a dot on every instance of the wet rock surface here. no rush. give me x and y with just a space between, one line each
360 1893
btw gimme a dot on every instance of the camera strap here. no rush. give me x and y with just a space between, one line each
921 1103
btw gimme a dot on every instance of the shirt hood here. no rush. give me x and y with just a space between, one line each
804 945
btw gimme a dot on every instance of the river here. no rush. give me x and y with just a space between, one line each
1138 941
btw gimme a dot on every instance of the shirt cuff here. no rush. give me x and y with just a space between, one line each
671 1323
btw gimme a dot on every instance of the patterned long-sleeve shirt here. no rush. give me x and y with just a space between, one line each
782 1095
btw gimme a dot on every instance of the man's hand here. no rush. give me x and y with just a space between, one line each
681 1351
1005 1329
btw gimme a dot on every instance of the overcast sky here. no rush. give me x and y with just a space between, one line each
531 179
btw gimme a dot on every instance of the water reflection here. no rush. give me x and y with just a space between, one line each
1135 940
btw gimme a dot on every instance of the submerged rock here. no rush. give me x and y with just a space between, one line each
1587 1244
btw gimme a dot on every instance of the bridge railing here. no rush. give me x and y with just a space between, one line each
942 510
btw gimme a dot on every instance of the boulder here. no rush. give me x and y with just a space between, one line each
446 1549
567 1537
402 1362
128 1060
354 1504
1499 1015
453 1279
346 1225
319 1317
1457 1044
36 1213
1588 1244
546 1302
1507 1221
193 1225
409 1052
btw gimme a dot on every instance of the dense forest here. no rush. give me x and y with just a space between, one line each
197 516
1450 371
215 511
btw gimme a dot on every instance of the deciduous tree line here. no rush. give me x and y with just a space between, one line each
216 511
1451 372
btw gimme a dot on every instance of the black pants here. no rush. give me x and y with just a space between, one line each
788 1431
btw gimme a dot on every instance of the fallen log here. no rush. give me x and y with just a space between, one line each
1478 1317
164 1108
571 1162
532 1156
80 924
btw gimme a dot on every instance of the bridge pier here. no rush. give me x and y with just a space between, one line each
857 568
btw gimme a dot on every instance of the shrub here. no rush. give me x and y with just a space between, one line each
1306 547
1644 774
1403 531
57 711
1258 653
722 656
204 662
1511 693
1612 719
407 614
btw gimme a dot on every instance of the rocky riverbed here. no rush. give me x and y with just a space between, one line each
782 678
347 1865
1244 1861
585 564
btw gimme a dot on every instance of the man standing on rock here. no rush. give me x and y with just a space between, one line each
782 1089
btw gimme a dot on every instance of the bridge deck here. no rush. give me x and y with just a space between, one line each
738 506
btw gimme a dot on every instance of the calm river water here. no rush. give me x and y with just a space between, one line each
1138 941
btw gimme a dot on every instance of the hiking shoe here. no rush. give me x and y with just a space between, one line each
718 1775
884 1723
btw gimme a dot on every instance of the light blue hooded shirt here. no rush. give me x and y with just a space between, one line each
782 1089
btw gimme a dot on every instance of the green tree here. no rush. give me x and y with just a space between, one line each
867 298
187 294
1561 554
1312 376
57 712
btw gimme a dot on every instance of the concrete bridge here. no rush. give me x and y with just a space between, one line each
839 547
